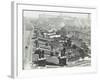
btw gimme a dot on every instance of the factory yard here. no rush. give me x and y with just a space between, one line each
78 63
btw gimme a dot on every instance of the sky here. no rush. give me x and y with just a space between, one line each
35 14
80 19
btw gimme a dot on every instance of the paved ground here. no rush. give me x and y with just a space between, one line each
78 63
